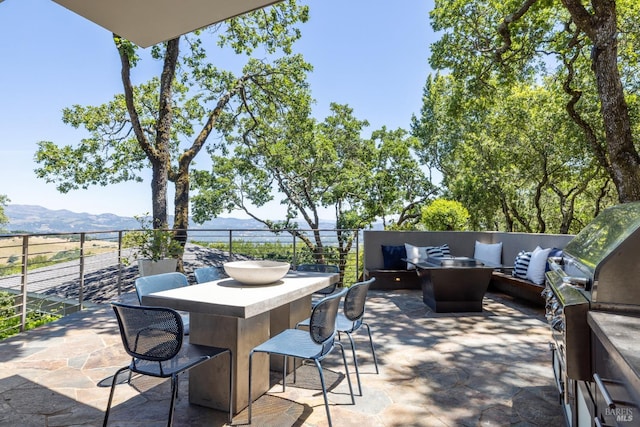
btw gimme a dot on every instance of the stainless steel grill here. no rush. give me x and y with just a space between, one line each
599 271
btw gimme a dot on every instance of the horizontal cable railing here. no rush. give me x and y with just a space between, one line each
48 275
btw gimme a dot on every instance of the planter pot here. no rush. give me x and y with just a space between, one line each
147 267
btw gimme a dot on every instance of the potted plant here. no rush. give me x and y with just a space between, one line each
155 250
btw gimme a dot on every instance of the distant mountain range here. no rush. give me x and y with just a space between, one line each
37 219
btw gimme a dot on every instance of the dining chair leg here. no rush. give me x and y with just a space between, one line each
113 389
230 387
373 351
284 373
346 371
250 371
355 361
324 390
174 394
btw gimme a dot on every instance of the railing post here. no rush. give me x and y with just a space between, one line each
357 254
295 254
31 280
24 282
119 262
81 287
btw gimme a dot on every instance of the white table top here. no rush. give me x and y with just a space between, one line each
227 297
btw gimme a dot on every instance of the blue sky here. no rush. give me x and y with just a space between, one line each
370 54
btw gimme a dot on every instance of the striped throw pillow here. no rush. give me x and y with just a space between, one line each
438 251
521 264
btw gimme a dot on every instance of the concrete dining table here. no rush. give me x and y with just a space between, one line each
227 313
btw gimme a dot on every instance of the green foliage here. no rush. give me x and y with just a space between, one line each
279 251
6 304
405 226
400 186
152 244
491 50
164 123
272 28
10 322
445 215
510 157
312 166
472 47
39 261
3 202
66 255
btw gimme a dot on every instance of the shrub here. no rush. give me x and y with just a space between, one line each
152 244
445 215
10 322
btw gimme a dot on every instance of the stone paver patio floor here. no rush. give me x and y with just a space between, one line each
465 369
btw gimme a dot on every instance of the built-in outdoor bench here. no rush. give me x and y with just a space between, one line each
460 243
505 282
393 279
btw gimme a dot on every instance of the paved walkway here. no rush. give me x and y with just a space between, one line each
467 369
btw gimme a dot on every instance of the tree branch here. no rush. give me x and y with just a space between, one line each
575 95
503 28
165 109
581 16
125 73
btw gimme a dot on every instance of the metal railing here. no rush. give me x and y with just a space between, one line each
45 274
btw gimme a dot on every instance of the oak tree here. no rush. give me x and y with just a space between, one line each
496 42
163 124
313 167
511 157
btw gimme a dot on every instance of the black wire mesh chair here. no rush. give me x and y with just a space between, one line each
313 345
154 338
351 320
206 274
146 285
321 268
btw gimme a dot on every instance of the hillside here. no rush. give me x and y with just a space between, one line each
37 219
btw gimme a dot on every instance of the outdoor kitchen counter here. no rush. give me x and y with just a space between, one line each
616 341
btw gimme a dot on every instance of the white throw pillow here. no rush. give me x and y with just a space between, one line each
489 253
537 265
415 253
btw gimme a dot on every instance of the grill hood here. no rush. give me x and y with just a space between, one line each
606 254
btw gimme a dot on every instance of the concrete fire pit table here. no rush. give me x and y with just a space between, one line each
453 284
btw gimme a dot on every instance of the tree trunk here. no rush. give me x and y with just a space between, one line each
157 152
162 162
181 210
181 206
601 28
159 183
623 156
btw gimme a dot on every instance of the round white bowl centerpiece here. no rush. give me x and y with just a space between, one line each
256 272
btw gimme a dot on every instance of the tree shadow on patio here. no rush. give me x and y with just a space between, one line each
28 403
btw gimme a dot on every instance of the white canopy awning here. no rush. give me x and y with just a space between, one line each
148 22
